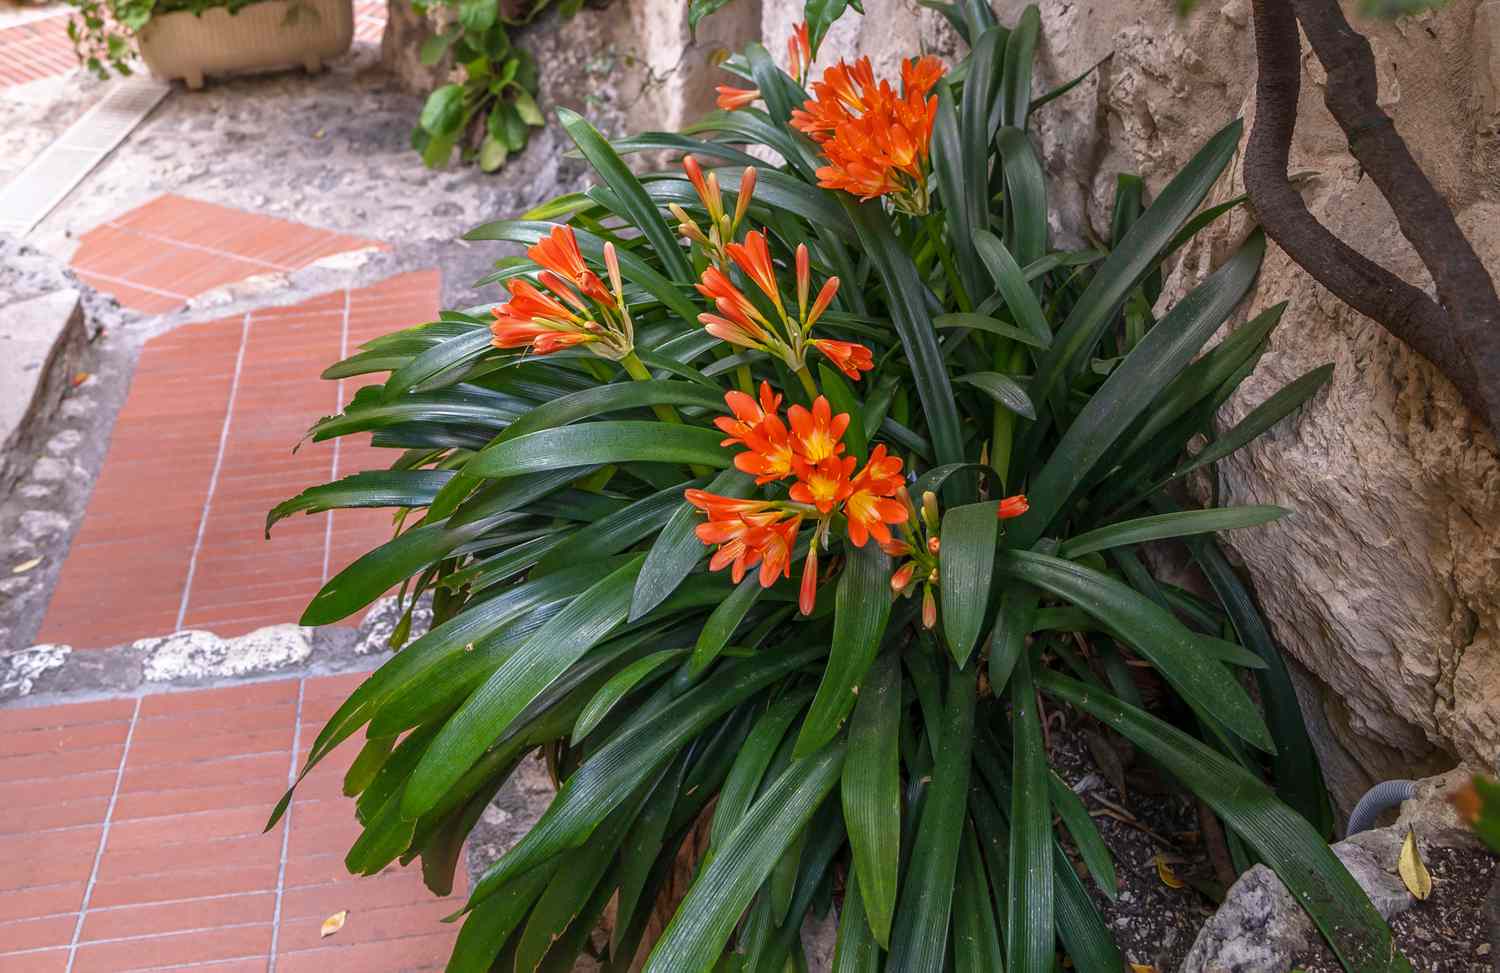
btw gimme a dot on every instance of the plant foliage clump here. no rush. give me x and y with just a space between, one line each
781 516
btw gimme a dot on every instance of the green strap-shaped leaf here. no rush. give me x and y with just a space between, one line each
703 922
618 396
983 80
1279 836
1085 835
871 793
856 950
618 531
1014 288
1084 935
486 931
907 296
638 207
441 358
720 625
980 322
677 548
643 846
948 171
1030 892
600 442
919 940
372 488
1262 417
965 564
618 688
545 656
1151 630
744 779
862 604
636 750
1131 260
1003 389
1026 190
1015 83
1161 354
976 934
376 572
1162 526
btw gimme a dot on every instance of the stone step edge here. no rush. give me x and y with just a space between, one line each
51 674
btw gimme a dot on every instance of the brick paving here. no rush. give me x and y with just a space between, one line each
157 256
174 533
35 50
41 49
133 841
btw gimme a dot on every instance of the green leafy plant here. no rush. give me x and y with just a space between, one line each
103 31
980 430
490 113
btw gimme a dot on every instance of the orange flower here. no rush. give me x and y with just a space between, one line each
770 454
818 433
742 316
536 319
771 546
732 98
559 253
1012 507
807 596
901 579
850 358
753 257
748 414
870 506
825 485
876 141
799 56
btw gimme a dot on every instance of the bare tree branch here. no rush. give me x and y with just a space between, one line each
1460 332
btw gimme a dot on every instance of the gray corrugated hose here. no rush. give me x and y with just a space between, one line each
1376 801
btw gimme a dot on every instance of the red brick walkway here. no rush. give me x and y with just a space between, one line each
35 50
156 256
132 841
174 534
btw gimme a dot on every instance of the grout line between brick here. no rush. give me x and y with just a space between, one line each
286 828
88 890
213 480
338 406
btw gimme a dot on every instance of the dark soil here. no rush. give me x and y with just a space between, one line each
1153 924
1449 932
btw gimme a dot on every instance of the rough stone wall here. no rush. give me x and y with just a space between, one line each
1386 583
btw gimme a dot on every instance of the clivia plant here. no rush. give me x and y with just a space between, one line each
773 500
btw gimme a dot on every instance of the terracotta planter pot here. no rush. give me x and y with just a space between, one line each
265 36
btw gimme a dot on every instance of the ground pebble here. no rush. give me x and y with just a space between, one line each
64 442
49 470
37 491
39 524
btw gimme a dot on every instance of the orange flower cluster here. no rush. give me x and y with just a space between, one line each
921 543
575 309
738 321
808 447
876 141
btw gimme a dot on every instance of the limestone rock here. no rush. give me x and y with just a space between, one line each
380 621
20 669
194 654
1385 585
1260 927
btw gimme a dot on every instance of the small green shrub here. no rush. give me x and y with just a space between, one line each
1009 413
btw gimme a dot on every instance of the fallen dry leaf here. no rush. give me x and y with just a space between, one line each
1142 968
1164 872
25 566
80 378
333 924
1413 870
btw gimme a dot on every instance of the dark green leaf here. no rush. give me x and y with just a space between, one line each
965 561
871 793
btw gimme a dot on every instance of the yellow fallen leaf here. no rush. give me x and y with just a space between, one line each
1164 872
333 924
1413 870
26 566
1142 968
